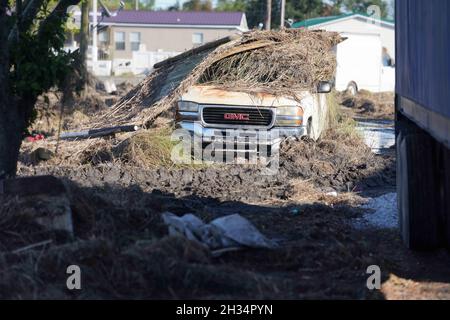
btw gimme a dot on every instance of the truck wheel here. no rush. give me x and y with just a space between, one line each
352 88
417 188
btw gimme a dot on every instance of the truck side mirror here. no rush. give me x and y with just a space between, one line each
324 87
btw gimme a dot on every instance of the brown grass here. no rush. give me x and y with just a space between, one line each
149 149
296 60
304 191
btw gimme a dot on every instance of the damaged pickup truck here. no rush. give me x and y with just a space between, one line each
245 122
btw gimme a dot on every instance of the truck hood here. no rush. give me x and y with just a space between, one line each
215 95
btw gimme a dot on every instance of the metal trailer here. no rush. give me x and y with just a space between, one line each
423 121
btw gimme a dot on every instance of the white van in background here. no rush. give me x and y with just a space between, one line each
360 65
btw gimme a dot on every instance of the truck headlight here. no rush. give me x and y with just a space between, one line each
187 106
289 116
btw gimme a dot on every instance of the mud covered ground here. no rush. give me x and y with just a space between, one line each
368 105
309 207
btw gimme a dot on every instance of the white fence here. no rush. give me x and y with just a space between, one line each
141 62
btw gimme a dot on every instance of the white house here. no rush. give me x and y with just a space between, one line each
365 60
355 23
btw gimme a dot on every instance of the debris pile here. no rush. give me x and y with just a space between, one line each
280 63
223 234
124 250
370 105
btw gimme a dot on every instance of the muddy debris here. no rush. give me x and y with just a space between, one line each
122 237
369 105
119 187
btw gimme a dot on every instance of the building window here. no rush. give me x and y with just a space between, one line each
119 38
135 40
103 38
197 38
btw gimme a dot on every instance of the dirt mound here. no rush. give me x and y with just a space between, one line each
53 114
120 186
351 168
123 250
370 105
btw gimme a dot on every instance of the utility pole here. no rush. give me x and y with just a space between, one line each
84 42
269 15
137 5
283 8
94 35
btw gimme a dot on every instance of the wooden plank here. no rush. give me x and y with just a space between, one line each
243 48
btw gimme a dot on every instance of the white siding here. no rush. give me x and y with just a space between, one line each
359 25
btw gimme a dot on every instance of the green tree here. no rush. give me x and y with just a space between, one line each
361 6
304 9
131 4
146 4
232 5
333 8
295 9
198 5
32 60
255 12
175 7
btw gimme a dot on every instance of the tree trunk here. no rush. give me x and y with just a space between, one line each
9 139
12 124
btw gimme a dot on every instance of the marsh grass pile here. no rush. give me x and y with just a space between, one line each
149 149
276 62
286 62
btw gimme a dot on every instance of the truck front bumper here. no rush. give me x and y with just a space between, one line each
240 139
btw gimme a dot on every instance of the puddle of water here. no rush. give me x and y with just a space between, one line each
378 134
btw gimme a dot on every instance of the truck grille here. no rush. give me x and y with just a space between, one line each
237 116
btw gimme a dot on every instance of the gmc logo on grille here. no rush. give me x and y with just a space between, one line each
236 116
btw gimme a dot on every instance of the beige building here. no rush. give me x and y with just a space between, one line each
162 32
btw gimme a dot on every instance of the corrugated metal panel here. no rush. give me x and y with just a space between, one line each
423 53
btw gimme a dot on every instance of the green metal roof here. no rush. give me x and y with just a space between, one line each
319 20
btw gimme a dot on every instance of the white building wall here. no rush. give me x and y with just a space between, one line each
359 25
